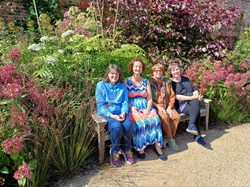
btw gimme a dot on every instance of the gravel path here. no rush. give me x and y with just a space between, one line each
224 162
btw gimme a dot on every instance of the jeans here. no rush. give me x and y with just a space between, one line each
117 131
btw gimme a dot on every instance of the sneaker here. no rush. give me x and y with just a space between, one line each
199 140
115 159
173 146
128 157
192 129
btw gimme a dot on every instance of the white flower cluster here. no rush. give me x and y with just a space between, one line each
52 60
45 39
67 33
60 51
35 47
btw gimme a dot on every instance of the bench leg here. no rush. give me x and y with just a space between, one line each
207 121
101 143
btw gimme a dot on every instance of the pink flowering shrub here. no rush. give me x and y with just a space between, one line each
218 77
12 145
226 84
23 171
14 53
26 111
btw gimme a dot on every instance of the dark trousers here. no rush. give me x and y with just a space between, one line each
192 109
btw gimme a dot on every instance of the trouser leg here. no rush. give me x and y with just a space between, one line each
193 110
116 131
165 124
128 133
175 119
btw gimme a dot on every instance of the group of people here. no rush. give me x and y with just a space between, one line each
141 112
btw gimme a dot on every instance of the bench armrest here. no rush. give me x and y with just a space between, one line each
99 119
207 101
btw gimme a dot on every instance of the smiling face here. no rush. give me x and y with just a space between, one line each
137 67
113 76
175 72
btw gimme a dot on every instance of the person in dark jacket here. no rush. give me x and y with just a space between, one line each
187 100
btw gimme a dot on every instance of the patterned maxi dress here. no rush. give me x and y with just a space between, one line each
146 129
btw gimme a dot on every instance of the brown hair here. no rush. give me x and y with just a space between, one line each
113 67
172 66
156 66
131 64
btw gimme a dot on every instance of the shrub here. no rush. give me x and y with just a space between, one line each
37 124
185 30
223 82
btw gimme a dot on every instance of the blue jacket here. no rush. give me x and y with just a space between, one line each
111 99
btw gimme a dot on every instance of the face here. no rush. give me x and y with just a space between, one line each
113 76
175 72
158 73
137 67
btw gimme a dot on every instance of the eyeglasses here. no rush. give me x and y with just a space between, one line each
157 70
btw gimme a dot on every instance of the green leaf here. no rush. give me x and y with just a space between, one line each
15 156
33 164
22 182
4 170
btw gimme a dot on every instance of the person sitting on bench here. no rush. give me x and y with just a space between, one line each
112 103
187 100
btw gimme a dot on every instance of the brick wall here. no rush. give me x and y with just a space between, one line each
12 11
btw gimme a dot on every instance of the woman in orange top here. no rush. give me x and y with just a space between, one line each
163 100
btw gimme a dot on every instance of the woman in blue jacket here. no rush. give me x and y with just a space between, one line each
112 103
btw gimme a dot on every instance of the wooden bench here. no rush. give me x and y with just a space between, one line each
103 134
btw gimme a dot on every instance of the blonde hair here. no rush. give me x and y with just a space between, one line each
172 66
156 66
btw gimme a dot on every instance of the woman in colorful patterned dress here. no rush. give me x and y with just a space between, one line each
146 123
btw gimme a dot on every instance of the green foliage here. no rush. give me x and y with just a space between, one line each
242 48
48 123
243 44
68 61
72 142
49 7
230 110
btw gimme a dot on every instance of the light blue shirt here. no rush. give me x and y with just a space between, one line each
111 99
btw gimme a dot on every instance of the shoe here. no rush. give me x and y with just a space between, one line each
141 156
173 146
199 140
128 157
161 156
115 159
192 129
